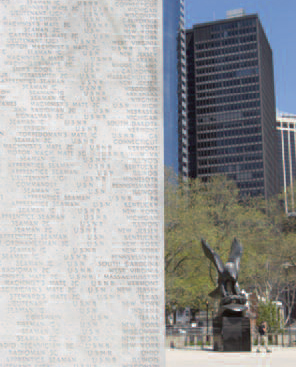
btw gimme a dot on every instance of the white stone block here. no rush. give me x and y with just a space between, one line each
81 183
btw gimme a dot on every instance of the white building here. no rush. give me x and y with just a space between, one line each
286 129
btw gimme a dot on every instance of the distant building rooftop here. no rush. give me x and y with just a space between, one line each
235 13
285 115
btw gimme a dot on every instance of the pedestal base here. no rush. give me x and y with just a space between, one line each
232 334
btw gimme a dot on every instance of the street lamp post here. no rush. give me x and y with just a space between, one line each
207 303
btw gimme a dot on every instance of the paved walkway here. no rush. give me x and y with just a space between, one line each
285 357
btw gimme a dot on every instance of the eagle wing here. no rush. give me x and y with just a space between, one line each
213 256
235 254
216 293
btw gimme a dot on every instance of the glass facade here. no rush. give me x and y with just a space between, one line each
230 104
174 84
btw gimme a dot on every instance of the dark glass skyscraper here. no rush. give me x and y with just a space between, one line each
231 104
174 67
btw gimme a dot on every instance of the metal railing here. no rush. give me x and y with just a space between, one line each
202 337
187 336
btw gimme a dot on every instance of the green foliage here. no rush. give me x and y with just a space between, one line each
215 211
267 311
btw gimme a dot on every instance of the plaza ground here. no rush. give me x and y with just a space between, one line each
280 357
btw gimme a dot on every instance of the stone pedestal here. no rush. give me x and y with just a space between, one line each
232 334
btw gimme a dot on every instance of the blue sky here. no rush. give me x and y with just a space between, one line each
278 18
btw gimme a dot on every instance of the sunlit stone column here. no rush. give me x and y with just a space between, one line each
81 183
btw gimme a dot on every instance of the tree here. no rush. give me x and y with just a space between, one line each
214 210
267 311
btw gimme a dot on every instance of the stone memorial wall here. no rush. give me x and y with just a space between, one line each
81 183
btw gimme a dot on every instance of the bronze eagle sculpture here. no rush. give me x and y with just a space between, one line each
228 287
